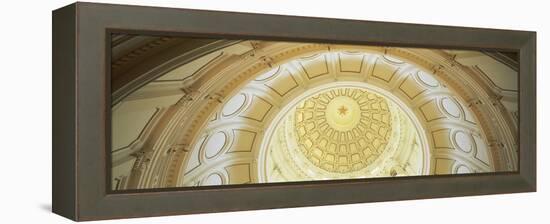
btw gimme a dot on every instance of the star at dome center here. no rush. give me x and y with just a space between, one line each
343 110
342 113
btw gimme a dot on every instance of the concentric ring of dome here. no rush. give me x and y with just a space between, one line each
343 130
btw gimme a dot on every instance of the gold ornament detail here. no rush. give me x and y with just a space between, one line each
343 110
343 130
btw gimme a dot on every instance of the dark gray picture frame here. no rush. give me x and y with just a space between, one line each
81 107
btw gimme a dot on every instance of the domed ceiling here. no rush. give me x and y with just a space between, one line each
340 132
343 130
262 111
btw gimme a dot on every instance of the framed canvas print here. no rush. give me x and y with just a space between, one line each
161 111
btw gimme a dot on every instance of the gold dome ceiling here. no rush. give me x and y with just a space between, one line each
343 130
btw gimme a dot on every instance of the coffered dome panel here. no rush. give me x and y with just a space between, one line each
234 105
213 179
427 80
463 141
343 130
451 107
214 145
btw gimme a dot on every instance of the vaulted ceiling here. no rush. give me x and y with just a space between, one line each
232 112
